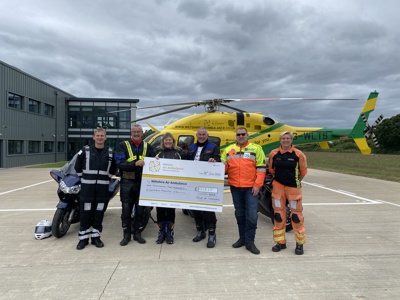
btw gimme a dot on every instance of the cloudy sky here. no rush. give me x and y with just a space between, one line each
164 52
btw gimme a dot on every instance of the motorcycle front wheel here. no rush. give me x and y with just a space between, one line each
61 222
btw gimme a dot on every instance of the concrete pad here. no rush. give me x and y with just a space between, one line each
351 251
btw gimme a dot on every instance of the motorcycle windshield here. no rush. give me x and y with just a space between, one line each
69 167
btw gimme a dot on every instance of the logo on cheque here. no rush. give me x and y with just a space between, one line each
154 166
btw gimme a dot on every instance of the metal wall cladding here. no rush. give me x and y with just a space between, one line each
26 126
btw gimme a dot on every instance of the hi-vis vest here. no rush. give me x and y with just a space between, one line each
87 173
130 152
132 157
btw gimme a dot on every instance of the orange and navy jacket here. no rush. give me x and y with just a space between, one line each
287 166
245 165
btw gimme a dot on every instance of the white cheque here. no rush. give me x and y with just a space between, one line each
187 184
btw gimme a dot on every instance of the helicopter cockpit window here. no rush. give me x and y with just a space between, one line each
184 141
268 121
214 140
157 142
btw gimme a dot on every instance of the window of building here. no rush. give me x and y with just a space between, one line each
60 146
124 119
15 101
87 118
33 147
15 147
48 146
106 122
48 110
34 106
74 117
112 143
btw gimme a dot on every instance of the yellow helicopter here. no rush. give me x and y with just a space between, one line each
262 130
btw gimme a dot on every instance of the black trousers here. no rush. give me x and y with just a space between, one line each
130 192
206 217
92 213
165 214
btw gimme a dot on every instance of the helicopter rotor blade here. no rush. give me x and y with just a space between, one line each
233 108
162 113
117 111
287 99
194 103
369 130
156 106
374 140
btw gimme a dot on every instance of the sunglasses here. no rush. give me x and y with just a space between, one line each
240 134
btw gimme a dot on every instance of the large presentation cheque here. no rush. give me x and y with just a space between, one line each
187 184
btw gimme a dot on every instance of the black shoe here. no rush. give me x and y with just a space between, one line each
138 237
125 240
239 243
212 239
82 244
201 235
252 248
299 249
97 242
278 247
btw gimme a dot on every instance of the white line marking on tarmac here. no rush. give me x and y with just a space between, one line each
25 187
365 201
343 193
390 203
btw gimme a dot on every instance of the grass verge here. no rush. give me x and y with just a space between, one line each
57 165
379 166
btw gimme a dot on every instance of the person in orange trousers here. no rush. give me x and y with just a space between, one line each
288 165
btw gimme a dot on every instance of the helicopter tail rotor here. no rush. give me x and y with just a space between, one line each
369 131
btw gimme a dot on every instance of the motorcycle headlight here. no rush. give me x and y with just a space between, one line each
70 189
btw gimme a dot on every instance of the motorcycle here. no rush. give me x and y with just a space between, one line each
265 203
69 187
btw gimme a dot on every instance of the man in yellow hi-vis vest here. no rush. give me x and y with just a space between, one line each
129 157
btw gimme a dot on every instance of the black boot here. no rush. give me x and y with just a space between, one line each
212 237
170 232
97 242
127 237
299 249
161 233
82 244
201 234
138 237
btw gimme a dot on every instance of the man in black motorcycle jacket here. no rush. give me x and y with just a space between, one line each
129 157
95 166
203 150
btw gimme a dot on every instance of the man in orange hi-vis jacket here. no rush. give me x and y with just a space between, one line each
245 165
289 166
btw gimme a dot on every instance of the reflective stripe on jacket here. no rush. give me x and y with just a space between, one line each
245 165
133 157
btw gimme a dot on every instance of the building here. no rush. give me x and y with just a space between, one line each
40 123
84 114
